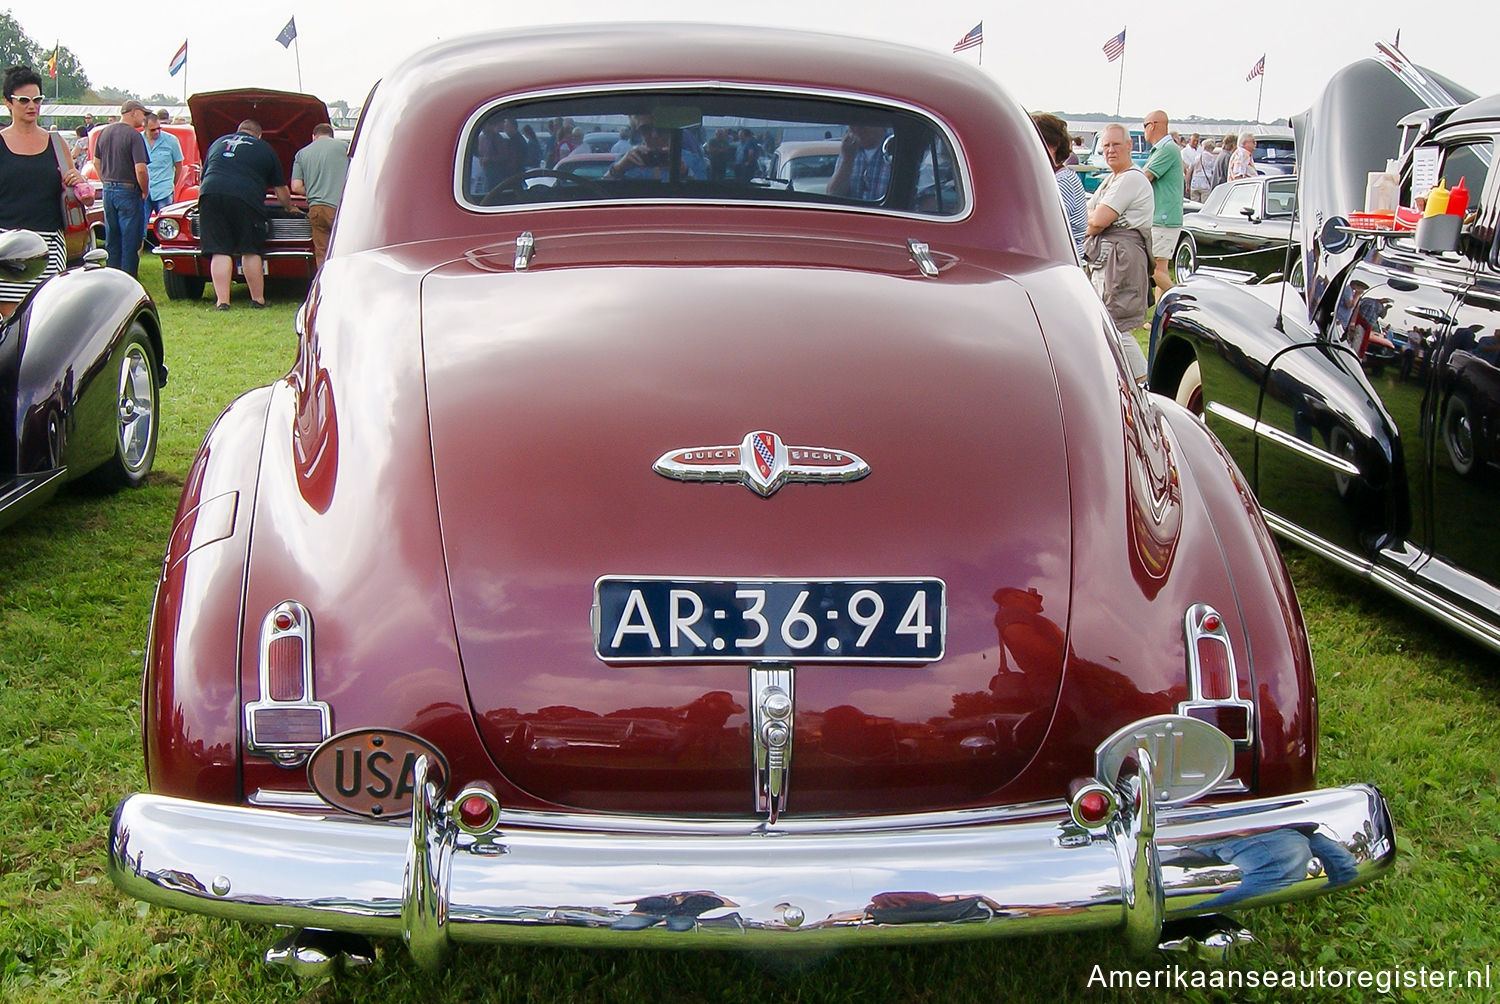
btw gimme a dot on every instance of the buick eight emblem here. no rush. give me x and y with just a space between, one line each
762 463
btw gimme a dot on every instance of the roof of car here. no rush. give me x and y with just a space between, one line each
1486 109
446 85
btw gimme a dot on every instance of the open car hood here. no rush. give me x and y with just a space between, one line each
286 118
549 411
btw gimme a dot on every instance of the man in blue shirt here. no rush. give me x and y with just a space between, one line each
163 164
862 171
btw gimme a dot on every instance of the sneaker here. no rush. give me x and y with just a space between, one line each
221 306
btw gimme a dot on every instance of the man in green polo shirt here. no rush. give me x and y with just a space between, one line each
1164 168
318 172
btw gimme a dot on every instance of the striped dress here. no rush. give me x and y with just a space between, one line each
57 259
30 199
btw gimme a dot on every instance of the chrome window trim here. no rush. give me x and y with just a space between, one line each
960 154
1280 438
1402 588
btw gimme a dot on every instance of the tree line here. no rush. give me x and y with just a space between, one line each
71 85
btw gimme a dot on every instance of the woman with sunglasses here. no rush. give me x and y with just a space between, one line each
31 180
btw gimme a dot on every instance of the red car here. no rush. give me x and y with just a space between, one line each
678 560
287 120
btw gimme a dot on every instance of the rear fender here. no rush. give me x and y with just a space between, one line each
191 697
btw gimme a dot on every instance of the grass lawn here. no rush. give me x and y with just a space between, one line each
1404 704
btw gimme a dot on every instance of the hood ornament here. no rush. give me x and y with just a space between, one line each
762 463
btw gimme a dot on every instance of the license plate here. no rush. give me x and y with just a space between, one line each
791 620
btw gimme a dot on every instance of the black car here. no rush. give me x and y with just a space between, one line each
80 379
1244 230
1366 414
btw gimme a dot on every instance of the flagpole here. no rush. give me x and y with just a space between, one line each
1261 94
1120 87
298 47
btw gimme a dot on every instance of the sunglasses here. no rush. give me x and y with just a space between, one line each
26 99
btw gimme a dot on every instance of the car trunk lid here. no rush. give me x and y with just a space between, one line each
552 392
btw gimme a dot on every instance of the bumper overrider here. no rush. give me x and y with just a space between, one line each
564 879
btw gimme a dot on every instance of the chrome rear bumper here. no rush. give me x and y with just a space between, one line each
601 881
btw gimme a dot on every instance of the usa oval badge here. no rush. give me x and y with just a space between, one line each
372 772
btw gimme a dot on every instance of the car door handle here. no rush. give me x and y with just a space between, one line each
1429 314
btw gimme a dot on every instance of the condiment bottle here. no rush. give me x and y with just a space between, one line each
1458 200
1437 200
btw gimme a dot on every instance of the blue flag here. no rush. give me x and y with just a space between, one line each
288 33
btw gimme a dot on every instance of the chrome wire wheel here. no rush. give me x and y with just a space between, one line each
1186 258
137 410
137 414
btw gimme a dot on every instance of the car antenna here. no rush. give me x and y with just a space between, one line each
1286 276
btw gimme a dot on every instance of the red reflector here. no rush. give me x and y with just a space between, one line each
284 662
1213 670
1211 623
1093 806
476 812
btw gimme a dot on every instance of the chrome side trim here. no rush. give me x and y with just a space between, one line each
744 889
1280 438
1397 585
264 798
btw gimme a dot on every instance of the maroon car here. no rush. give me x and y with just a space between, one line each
287 119
679 559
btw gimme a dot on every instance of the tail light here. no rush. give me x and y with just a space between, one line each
1213 683
287 723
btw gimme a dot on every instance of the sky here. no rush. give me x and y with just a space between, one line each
1190 59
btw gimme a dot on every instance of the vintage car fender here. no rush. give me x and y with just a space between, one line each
1262 371
62 353
194 745
1187 497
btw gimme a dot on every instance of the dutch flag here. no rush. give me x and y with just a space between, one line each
179 60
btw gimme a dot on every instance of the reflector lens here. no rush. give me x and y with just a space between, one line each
1093 807
284 665
1213 669
476 812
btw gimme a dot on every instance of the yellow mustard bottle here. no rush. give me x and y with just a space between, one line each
1437 200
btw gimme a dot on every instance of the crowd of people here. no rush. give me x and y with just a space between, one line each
1125 232
139 165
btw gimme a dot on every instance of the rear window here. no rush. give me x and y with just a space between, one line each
710 145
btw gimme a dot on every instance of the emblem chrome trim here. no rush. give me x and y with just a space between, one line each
761 462
771 692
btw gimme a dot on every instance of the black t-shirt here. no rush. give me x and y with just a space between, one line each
30 191
241 167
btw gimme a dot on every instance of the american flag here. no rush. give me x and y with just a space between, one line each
1115 47
973 38
1256 70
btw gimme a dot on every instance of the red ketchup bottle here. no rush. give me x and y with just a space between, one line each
1458 200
